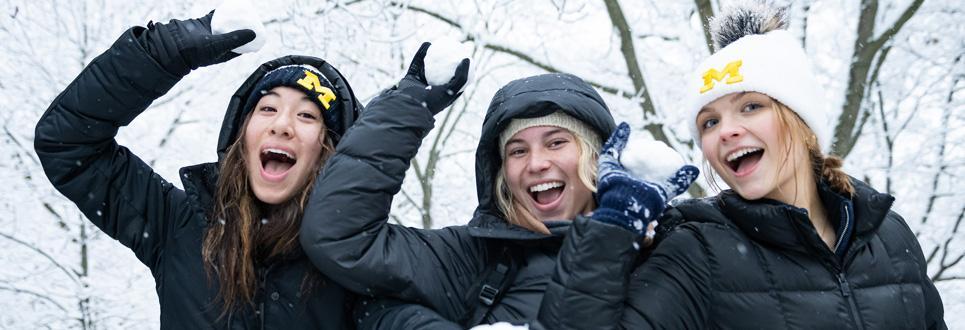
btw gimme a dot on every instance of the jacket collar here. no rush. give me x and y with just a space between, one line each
766 220
788 227
870 207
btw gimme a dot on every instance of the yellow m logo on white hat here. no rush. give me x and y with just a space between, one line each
730 71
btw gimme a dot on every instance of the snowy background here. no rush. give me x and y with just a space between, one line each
898 62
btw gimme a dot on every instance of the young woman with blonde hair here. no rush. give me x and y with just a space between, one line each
795 243
535 166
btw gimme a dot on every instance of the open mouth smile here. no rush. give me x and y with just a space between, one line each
743 161
276 163
547 195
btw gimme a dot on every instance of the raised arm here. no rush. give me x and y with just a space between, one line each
74 139
345 231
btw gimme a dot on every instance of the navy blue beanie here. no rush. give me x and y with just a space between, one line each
310 81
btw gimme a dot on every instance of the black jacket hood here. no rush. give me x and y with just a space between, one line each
528 98
349 107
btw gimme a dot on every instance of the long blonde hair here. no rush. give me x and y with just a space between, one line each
515 212
238 237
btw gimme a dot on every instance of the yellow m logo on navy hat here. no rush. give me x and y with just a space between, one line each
298 76
311 83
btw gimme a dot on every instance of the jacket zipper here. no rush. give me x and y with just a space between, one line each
261 313
837 267
847 223
856 243
263 280
846 292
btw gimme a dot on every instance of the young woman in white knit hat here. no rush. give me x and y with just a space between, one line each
794 243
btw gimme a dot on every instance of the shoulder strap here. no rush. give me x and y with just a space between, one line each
491 284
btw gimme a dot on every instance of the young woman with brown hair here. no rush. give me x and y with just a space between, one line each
224 251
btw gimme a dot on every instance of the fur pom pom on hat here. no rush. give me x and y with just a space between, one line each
748 18
555 119
756 54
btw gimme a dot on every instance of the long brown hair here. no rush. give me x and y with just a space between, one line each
244 232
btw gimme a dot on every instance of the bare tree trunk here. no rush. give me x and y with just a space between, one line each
636 76
86 317
633 68
706 11
867 50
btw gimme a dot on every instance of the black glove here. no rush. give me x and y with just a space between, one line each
436 97
181 46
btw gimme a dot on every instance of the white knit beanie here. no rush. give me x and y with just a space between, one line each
555 119
758 55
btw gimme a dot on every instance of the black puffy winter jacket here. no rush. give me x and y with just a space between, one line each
355 246
163 225
742 264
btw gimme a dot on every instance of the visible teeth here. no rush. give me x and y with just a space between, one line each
741 152
545 186
279 151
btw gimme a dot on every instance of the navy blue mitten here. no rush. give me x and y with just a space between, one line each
628 201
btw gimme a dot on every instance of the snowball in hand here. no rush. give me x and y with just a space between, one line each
649 159
234 15
442 59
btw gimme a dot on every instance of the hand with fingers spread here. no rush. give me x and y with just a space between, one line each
630 202
434 97
184 45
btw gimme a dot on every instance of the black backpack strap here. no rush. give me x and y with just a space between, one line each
491 284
